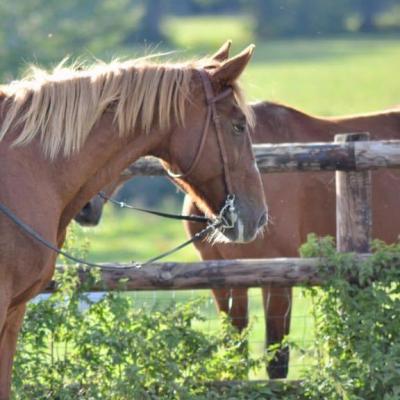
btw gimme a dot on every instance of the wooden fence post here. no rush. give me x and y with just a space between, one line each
353 204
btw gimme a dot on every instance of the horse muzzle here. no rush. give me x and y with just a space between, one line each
240 223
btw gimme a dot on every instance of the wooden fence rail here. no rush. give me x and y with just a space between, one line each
206 274
346 156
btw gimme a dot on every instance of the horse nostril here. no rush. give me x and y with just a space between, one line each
263 220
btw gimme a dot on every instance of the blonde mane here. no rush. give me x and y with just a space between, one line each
62 106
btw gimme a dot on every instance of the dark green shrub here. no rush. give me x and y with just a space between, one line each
357 324
71 347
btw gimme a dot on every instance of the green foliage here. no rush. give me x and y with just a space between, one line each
123 236
72 347
111 350
357 324
49 30
299 17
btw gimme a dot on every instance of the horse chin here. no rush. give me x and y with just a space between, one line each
237 234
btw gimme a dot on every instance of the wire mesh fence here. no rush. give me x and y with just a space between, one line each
301 321
252 302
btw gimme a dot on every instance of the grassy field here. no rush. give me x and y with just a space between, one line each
324 76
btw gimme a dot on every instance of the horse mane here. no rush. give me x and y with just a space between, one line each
63 105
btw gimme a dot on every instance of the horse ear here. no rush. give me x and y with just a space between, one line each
223 53
230 70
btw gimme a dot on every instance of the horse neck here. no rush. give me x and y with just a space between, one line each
102 159
282 124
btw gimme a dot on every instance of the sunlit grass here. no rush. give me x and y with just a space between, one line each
207 32
326 76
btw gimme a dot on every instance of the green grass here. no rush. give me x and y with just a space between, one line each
326 76
207 32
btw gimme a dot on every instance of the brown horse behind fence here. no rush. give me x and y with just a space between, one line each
64 135
299 203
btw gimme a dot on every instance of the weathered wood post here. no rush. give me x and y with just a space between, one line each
353 204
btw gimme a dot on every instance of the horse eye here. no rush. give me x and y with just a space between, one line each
239 128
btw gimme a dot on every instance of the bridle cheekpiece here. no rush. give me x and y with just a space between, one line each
227 216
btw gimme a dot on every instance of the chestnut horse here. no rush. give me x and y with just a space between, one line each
66 134
300 203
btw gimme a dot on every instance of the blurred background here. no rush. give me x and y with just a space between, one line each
325 57
308 52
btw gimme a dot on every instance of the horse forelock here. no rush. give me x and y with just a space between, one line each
63 105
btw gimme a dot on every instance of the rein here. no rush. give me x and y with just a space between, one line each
227 215
228 221
180 217
33 234
211 114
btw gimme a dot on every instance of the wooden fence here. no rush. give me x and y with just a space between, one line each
351 155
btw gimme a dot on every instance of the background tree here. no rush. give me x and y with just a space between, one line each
299 17
150 24
47 31
369 10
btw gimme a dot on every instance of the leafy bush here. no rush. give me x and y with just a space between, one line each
112 350
357 324
72 347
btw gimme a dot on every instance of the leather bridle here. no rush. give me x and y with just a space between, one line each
212 114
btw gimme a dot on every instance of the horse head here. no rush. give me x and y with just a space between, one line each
209 153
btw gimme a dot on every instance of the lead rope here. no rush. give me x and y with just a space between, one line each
32 233
122 204
218 222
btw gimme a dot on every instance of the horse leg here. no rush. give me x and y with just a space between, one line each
277 309
239 308
221 298
8 344
234 303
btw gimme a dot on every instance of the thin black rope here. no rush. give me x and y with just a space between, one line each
198 236
180 217
32 233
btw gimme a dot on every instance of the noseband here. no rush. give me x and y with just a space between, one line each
212 113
